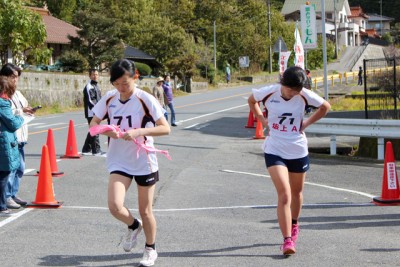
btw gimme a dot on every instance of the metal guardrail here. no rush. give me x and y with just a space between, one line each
380 129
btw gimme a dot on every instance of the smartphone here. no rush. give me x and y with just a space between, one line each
36 108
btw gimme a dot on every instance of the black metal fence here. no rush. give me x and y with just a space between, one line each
381 88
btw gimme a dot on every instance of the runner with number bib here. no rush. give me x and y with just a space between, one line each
139 117
285 148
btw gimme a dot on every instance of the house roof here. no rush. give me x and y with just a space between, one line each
56 29
137 55
376 17
134 53
357 11
292 5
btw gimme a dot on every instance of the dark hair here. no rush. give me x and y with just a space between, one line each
294 78
120 68
6 86
8 70
91 71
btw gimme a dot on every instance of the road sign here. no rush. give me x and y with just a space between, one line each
280 45
244 62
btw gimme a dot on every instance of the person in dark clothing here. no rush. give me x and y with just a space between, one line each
91 95
360 74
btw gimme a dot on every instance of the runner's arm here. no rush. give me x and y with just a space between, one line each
320 113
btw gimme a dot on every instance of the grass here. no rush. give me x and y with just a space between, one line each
347 104
54 109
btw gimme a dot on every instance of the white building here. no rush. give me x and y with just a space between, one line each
348 26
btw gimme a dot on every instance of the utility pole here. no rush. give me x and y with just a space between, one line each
269 35
334 22
215 50
381 19
326 94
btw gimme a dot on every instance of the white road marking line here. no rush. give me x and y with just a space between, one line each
191 126
247 173
34 124
309 183
212 113
28 171
232 207
49 125
14 216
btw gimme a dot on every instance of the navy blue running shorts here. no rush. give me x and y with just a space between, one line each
300 165
142 180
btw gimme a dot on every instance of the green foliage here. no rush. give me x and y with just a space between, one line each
143 69
22 30
388 38
62 9
315 56
74 61
99 37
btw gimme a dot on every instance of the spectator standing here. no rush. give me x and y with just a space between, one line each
308 82
9 155
19 106
228 73
158 93
360 74
91 95
170 97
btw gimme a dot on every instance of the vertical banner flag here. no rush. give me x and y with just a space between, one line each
308 27
298 50
283 60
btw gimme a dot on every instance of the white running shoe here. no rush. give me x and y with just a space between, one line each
149 257
130 239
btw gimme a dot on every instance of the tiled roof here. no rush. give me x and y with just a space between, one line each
357 11
292 5
57 30
134 53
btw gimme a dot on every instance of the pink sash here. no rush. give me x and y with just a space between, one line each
98 129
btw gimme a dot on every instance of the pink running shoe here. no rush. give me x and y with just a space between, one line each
288 247
295 232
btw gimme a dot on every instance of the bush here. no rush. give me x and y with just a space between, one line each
207 71
72 60
143 69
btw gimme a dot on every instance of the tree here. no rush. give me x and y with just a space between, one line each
314 57
62 9
23 32
99 37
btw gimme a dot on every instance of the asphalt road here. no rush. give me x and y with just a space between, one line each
215 203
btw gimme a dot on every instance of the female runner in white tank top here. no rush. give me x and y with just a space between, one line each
285 148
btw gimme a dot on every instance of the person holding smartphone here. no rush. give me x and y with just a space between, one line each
20 107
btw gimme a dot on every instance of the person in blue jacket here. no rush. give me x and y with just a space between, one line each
9 154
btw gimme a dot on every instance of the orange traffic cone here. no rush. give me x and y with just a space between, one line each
71 151
44 192
259 131
250 120
52 154
390 184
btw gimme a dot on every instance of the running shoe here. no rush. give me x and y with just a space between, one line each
149 257
20 201
130 238
288 247
11 204
295 232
